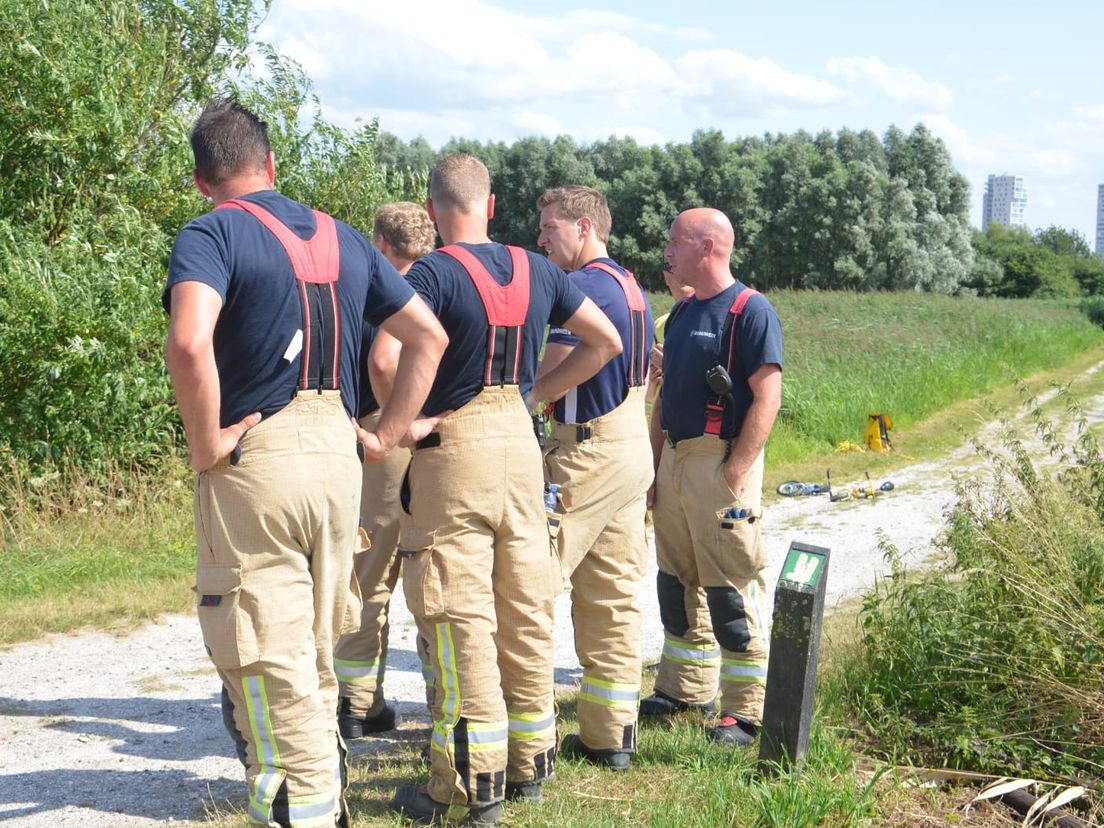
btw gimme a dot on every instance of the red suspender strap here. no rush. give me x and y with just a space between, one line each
638 359
506 307
316 262
737 308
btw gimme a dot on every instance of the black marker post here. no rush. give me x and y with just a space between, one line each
791 671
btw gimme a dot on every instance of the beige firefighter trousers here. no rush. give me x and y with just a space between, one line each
696 544
604 469
360 658
480 576
275 537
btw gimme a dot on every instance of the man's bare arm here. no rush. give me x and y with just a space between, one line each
190 356
599 343
383 363
766 390
655 436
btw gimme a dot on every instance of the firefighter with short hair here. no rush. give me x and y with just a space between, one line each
479 573
266 299
600 458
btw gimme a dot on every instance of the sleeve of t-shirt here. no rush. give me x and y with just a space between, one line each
566 296
562 336
423 280
760 339
198 255
388 292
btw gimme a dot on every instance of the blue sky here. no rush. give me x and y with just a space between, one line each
1010 87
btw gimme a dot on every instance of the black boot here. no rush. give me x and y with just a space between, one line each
354 727
612 758
413 802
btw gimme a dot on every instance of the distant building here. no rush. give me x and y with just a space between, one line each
1100 220
1004 201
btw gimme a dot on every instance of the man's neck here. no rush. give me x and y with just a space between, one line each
592 249
237 187
713 282
462 227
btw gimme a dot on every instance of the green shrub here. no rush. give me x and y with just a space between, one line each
1093 308
995 661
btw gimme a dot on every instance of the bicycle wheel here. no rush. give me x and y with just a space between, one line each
790 488
840 494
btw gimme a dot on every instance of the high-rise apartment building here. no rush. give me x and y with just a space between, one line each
1004 201
1100 220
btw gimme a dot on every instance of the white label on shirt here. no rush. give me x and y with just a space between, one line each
295 346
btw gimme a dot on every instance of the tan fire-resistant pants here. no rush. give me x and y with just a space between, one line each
360 658
480 577
604 469
275 537
711 586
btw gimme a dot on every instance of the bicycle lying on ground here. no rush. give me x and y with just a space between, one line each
795 488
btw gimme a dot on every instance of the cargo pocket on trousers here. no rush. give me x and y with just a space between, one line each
227 629
354 605
739 542
422 577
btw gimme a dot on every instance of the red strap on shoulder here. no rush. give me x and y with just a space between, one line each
506 305
315 260
627 282
737 308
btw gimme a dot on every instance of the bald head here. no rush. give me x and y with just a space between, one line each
699 250
704 224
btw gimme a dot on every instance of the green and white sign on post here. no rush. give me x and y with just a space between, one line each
791 670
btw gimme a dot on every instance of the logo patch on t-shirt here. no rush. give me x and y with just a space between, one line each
708 334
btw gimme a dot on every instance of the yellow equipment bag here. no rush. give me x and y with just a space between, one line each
877 432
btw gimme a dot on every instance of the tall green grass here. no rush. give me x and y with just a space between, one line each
995 661
906 354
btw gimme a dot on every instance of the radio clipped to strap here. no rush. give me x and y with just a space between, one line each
715 403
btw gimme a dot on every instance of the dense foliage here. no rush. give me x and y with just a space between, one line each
95 180
996 662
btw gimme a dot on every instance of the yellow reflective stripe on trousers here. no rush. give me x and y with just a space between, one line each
355 672
486 736
609 693
271 775
443 728
524 726
312 810
743 672
690 653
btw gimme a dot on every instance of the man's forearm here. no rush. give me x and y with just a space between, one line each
413 378
655 433
752 437
577 367
196 386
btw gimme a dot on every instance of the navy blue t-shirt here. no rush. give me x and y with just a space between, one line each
262 317
366 399
695 342
451 294
607 389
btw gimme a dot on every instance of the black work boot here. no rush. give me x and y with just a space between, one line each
354 727
733 731
415 803
660 705
529 791
612 758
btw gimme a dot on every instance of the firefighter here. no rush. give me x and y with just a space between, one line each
266 301
600 458
722 387
479 573
403 233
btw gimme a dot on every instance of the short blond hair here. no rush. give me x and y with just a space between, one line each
406 227
577 202
460 182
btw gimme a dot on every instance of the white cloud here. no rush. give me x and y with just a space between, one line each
730 76
962 147
1093 113
897 82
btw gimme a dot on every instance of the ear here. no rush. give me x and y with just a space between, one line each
382 244
201 185
585 227
490 206
270 168
708 245
429 209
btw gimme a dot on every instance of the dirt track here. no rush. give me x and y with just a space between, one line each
107 731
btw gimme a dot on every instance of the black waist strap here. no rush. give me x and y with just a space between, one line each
431 441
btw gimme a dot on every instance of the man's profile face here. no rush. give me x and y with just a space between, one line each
559 236
679 255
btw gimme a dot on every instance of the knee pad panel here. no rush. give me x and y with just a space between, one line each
726 609
672 604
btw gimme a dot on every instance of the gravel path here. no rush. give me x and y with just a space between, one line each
114 731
